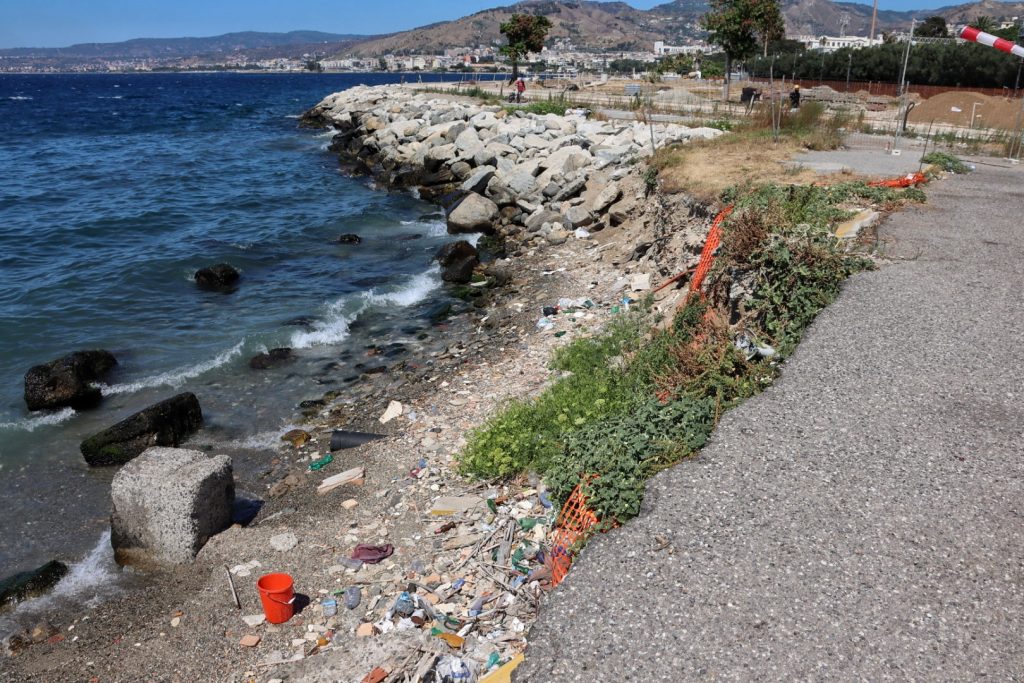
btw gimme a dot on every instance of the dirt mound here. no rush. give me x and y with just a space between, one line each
991 112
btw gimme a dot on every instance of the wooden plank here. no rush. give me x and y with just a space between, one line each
356 475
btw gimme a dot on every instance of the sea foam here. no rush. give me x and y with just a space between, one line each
176 377
30 424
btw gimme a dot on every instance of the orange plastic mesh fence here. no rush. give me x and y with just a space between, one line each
574 521
914 179
707 257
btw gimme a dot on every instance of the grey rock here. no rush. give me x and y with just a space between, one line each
537 220
579 216
473 214
551 189
521 182
618 213
282 543
462 170
166 423
167 503
500 194
608 196
556 235
571 189
485 157
457 260
68 381
477 181
468 140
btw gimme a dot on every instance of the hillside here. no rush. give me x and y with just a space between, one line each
597 25
615 25
170 48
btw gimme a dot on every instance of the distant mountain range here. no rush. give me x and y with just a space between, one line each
587 24
277 44
616 25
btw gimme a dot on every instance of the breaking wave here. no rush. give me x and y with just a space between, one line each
30 424
176 377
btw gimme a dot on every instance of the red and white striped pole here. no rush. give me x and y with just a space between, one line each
976 36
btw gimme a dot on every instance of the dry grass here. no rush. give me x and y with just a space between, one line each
704 169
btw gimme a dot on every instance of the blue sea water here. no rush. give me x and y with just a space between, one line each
114 190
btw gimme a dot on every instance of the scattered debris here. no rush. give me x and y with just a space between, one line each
453 505
250 640
393 410
356 475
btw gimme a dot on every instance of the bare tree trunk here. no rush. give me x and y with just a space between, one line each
728 70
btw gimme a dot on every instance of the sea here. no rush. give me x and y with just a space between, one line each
114 190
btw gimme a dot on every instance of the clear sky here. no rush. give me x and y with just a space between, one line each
58 23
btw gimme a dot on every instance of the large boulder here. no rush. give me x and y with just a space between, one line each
167 503
458 259
68 381
221 277
473 214
166 423
31 584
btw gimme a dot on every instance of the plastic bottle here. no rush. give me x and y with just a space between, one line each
353 596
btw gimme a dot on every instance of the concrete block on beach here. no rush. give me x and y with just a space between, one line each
167 503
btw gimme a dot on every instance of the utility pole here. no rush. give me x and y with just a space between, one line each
849 65
874 20
903 86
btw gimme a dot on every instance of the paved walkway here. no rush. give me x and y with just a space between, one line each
863 519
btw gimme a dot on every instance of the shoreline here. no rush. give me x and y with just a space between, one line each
496 353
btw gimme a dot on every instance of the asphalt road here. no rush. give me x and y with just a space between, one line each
863 519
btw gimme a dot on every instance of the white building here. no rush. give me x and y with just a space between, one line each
833 43
661 49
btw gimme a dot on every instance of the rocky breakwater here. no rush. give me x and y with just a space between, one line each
529 178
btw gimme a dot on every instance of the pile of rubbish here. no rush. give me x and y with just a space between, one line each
460 615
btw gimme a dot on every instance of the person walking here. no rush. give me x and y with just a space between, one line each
794 97
520 89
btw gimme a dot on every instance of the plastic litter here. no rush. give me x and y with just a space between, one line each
545 323
748 346
342 439
353 596
321 463
372 554
452 670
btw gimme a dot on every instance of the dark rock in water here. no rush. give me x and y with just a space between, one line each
312 403
66 381
265 361
221 277
457 259
436 194
166 423
349 238
301 321
408 238
439 312
31 584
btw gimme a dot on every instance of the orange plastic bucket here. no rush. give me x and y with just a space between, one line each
277 596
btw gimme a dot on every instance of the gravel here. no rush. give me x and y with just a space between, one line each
863 519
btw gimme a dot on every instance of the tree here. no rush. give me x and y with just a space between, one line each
984 23
932 27
768 22
732 26
525 34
